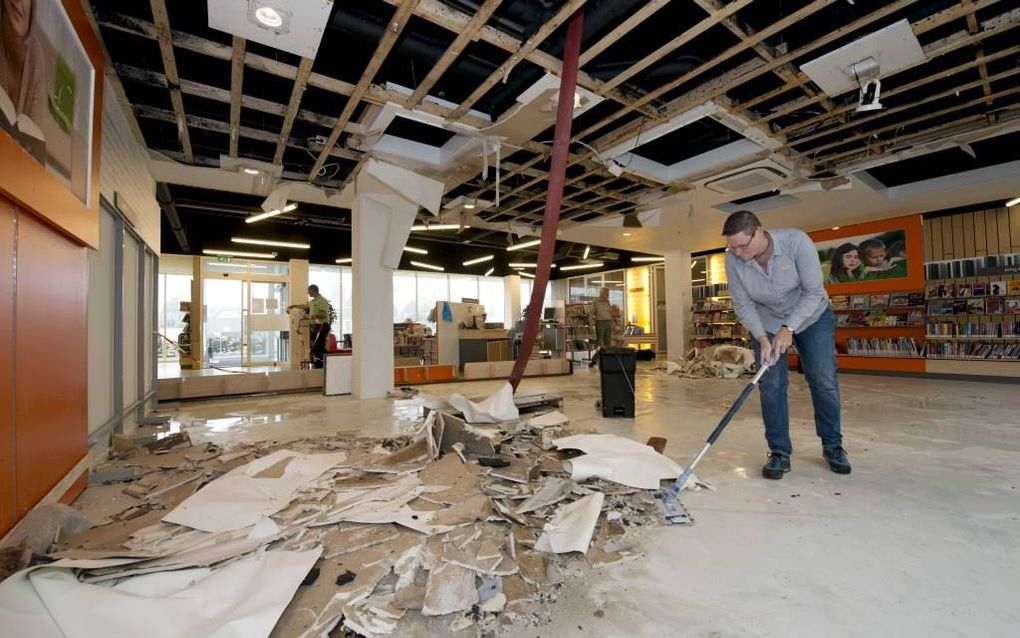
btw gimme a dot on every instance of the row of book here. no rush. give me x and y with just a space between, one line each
895 347
974 329
711 316
879 319
721 332
967 350
881 300
972 289
706 305
971 266
710 290
976 306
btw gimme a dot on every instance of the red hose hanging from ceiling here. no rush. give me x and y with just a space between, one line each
554 195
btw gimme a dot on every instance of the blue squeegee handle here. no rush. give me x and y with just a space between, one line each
748 389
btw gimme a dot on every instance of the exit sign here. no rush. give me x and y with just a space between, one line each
223 259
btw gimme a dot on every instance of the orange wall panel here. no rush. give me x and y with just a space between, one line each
7 220
50 396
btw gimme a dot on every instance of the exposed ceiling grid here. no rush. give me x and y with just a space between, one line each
166 49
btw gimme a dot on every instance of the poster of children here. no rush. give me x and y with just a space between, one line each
864 257
46 89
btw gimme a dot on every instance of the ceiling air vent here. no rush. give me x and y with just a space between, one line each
757 178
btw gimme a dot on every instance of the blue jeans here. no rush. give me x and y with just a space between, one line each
816 347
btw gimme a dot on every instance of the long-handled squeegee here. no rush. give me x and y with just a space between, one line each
672 510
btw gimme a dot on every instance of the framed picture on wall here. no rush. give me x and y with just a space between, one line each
46 90
51 69
879 256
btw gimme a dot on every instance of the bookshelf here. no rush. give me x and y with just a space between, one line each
973 319
579 333
714 323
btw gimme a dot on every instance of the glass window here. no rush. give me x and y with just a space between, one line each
463 286
173 289
491 295
404 296
431 288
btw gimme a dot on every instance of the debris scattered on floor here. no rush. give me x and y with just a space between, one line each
726 361
456 524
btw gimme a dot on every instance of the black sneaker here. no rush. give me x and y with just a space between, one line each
776 467
838 461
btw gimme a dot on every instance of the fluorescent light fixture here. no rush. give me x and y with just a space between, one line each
266 242
594 264
424 227
525 274
471 204
422 264
216 264
238 253
835 228
472 262
647 259
272 213
345 260
522 264
417 251
587 249
251 171
526 244
1013 202
489 271
269 17
693 264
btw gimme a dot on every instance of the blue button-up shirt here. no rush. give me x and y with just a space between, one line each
789 292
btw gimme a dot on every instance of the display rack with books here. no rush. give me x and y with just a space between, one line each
975 319
580 336
714 322
885 324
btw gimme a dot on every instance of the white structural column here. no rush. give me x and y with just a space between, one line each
299 345
512 299
678 302
386 200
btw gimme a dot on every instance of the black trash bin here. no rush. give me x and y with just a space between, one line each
616 367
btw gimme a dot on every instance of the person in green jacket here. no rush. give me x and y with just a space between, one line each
318 312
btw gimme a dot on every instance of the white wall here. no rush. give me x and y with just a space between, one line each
124 171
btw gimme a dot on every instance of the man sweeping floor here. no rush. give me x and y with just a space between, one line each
775 279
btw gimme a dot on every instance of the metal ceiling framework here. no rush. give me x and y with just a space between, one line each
742 55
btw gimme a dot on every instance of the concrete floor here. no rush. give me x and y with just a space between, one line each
923 539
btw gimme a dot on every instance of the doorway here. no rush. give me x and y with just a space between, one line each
245 321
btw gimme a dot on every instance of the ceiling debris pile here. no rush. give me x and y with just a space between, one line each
455 526
728 362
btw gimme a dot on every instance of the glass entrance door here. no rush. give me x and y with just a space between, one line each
245 319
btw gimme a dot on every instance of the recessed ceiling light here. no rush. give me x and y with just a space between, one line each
470 204
418 251
238 253
422 264
269 17
527 244
525 274
345 260
523 264
266 242
472 262
626 234
835 228
587 249
594 264
272 213
251 171
489 271
1013 202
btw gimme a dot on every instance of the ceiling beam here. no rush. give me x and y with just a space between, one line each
166 50
979 54
516 57
236 91
300 82
464 37
714 17
625 27
438 13
389 38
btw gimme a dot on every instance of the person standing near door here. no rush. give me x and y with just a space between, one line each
775 279
318 309
602 315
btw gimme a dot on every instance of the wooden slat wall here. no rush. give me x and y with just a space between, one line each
976 234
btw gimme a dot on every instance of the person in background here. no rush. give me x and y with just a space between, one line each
845 265
602 313
775 279
318 309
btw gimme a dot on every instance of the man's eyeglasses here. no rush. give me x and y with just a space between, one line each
745 244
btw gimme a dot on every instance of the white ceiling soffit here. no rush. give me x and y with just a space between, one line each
300 28
893 49
546 93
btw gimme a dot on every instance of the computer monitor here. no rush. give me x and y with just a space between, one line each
549 314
